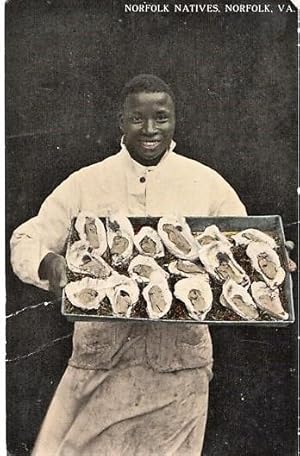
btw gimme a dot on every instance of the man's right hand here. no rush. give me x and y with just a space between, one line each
53 268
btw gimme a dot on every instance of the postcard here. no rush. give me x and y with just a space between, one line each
169 109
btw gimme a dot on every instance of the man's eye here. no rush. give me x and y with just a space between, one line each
162 118
136 119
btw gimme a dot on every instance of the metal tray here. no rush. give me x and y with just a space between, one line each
269 223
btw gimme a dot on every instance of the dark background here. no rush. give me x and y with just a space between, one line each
235 79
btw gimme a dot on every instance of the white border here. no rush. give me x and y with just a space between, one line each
297 4
2 244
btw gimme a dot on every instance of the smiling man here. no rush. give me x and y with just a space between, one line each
148 121
129 388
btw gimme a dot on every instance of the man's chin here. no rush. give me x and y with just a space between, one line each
147 158
151 156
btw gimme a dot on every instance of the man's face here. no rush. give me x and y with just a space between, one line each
148 124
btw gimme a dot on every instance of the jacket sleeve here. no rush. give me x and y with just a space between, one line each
47 232
230 204
225 200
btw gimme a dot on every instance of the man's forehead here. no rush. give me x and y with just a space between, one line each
144 99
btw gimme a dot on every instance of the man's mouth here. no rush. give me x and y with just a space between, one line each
150 145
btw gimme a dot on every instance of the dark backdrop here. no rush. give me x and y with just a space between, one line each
234 76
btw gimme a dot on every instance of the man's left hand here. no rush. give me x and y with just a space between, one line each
292 266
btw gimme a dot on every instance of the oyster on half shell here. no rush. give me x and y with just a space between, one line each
196 294
157 296
186 268
253 235
268 300
218 260
177 237
86 293
81 259
141 268
123 295
91 229
148 242
120 236
236 298
212 234
266 262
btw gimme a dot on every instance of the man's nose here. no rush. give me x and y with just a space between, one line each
149 127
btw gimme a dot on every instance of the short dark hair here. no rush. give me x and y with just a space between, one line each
145 83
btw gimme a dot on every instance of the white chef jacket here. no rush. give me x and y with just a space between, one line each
176 186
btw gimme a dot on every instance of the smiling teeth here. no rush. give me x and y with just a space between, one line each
150 144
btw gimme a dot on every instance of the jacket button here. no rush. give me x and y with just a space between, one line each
142 179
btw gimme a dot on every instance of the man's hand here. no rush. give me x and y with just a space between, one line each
53 268
292 266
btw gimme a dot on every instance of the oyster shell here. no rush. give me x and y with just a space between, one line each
120 236
212 234
186 268
158 296
196 294
91 229
149 243
268 300
123 295
266 262
83 261
236 298
75 255
252 235
177 237
218 260
141 268
86 293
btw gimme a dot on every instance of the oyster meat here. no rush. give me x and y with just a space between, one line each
212 234
158 296
236 298
141 268
81 259
252 235
178 238
196 294
149 243
218 260
120 236
266 262
91 229
268 300
123 295
86 293
186 268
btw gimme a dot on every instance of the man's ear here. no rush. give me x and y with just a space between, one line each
120 120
